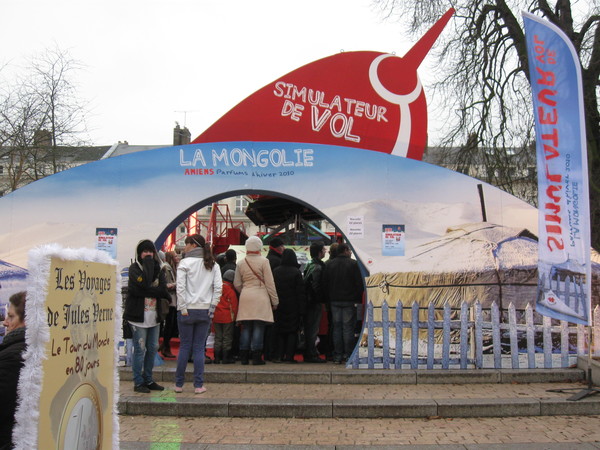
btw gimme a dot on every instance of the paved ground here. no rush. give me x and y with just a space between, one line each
562 432
537 432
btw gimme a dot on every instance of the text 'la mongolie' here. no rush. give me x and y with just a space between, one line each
241 157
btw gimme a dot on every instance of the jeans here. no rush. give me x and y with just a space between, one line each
193 331
312 322
343 315
252 335
145 347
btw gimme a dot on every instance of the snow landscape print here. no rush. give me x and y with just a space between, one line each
147 194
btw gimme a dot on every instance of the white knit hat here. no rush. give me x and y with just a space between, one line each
254 244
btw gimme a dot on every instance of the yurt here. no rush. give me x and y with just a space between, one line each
470 262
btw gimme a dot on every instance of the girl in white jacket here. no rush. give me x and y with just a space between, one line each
199 288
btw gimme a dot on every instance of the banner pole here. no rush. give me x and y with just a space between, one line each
590 390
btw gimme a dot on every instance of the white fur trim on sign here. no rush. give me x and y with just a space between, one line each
38 334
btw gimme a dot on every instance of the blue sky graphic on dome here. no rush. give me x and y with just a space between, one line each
147 194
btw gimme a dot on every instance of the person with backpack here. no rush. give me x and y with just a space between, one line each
315 300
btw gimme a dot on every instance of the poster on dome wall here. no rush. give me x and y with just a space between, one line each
106 240
564 285
392 240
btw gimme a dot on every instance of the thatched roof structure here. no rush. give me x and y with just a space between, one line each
474 261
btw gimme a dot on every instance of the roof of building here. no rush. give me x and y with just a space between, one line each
82 154
123 148
71 153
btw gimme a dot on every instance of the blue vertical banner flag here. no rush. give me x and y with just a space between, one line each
564 284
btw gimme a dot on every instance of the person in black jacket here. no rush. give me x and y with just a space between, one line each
276 248
290 291
169 327
313 275
11 362
344 287
147 285
230 261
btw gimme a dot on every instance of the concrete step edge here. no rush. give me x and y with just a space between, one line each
275 376
315 408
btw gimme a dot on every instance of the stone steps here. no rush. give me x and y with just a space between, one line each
328 391
337 374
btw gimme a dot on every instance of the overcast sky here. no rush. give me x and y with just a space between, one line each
147 60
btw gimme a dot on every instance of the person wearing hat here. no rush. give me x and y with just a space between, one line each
230 261
147 284
276 248
224 320
258 298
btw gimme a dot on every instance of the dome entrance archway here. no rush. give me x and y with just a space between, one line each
134 193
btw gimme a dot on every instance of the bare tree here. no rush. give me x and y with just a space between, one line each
39 113
20 118
483 85
52 84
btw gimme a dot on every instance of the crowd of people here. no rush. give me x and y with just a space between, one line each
260 308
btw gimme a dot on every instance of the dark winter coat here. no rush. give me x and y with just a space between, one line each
313 277
145 280
274 258
290 290
228 266
170 278
11 362
342 280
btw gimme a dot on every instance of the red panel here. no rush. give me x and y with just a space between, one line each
352 99
341 108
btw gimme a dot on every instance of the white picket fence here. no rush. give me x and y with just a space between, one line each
469 337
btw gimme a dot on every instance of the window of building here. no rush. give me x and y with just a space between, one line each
240 204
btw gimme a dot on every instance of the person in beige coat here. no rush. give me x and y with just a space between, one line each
258 299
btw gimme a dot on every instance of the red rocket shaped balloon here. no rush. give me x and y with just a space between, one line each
364 99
